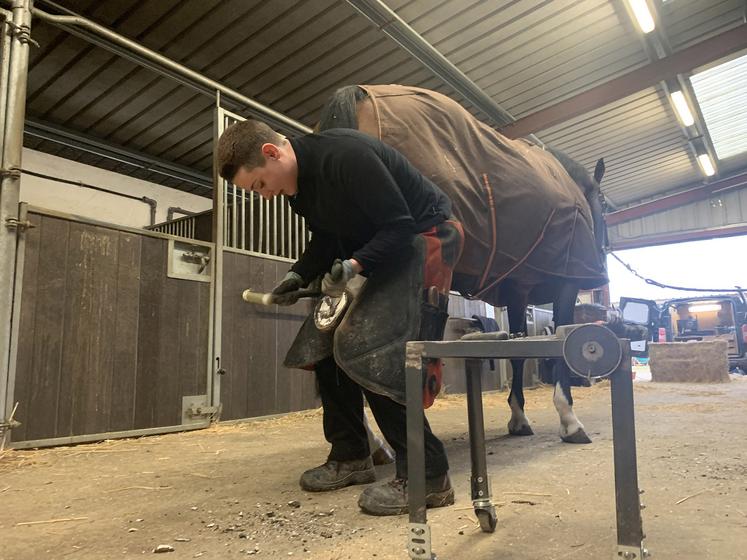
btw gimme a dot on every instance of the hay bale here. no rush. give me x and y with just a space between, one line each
689 362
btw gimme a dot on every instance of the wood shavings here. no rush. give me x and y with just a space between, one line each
678 502
138 488
60 520
528 494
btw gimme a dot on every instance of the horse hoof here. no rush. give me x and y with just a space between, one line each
577 437
524 430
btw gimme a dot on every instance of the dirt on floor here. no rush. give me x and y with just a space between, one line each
231 491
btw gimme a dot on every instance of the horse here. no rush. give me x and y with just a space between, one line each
491 271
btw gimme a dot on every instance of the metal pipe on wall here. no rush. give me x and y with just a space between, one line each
12 142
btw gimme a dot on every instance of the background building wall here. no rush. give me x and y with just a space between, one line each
97 205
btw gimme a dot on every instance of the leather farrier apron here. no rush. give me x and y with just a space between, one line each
400 301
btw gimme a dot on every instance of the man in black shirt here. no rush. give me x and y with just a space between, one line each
372 213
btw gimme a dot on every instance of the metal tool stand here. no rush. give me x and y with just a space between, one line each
590 351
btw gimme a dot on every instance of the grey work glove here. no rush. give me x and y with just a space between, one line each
287 292
334 282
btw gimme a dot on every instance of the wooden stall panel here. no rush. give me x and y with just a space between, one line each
108 342
254 342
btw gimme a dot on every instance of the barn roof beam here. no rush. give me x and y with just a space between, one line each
414 43
666 68
155 61
679 237
678 199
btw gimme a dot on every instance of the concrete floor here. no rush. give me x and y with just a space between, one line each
231 491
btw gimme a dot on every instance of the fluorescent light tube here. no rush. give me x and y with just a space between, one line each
683 110
643 15
706 164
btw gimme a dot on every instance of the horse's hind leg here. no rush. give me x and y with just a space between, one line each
518 425
571 429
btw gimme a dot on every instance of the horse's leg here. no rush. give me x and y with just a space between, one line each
517 323
571 429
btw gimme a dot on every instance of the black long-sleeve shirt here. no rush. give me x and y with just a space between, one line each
361 199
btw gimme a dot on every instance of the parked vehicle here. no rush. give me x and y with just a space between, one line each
722 317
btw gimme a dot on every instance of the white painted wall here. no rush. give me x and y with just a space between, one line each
97 205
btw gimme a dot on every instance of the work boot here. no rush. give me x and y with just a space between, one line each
338 474
391 498
382 456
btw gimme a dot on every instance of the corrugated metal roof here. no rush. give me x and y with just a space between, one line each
291 54
722 96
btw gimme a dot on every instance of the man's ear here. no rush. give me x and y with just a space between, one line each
270 151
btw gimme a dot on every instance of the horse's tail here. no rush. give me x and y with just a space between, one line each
592 192
340 110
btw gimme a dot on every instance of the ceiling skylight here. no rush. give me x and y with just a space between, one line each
722 96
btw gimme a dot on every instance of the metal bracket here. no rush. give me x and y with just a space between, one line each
14 172
632 552
201 411
419 541
195 257
22 33
480 489
15 223
7 426
196 410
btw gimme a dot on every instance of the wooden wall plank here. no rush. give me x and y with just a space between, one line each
153 264
260 338
235 377
201 374
27 325
44 380
90 325
122 409
168 384
188 297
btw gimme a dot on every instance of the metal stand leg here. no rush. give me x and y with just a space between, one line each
480 486
627 497
418 534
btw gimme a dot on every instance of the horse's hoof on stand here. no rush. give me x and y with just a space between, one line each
525 430
579 436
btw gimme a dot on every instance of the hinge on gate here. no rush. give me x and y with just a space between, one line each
21 225
8 425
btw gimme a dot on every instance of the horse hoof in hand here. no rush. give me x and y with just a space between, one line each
579 436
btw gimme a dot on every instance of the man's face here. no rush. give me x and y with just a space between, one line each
277 176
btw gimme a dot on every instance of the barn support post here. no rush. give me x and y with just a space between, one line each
16 37
215 369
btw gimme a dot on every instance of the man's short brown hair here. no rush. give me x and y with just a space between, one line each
241 145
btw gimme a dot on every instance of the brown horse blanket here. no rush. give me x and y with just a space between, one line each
522 213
